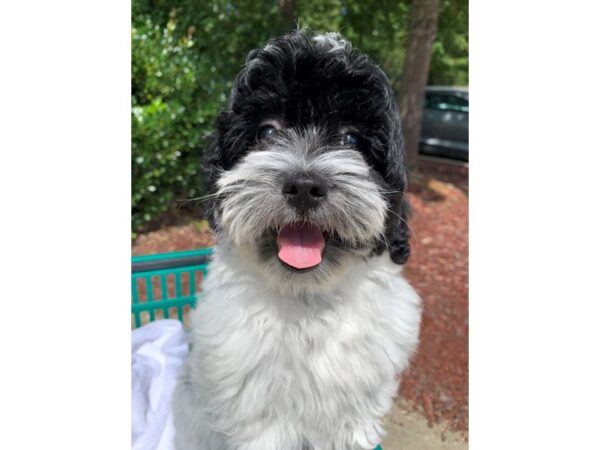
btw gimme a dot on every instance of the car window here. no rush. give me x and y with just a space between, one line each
446 102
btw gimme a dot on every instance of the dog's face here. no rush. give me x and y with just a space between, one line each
306 173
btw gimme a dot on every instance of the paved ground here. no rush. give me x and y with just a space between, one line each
408 430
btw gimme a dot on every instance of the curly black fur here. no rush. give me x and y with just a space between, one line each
303 82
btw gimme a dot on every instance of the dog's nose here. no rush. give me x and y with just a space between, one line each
305 191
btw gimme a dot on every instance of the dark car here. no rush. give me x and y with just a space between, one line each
445 125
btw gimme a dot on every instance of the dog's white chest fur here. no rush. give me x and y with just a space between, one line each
274 372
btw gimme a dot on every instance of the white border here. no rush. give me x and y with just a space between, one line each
65 187
534 225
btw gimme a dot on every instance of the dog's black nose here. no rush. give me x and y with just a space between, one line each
305 191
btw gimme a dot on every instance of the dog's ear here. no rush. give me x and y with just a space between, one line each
222 150
397 232
212 166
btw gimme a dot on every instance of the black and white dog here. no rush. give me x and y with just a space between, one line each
306 322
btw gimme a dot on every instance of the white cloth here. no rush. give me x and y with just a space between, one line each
158 349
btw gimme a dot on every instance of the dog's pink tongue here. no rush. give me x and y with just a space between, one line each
300 245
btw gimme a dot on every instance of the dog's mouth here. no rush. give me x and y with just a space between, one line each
301 245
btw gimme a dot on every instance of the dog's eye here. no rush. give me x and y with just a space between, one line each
349 139
265 132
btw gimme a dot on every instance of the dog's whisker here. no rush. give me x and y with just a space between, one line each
202 198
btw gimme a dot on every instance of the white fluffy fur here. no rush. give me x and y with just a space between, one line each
273 371
332 40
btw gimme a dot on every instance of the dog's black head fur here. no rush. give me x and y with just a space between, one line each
322 82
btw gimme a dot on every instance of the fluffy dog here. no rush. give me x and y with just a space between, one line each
306 322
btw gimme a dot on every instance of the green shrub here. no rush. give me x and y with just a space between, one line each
168 124
449 59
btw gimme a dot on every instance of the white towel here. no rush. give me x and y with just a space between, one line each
158 350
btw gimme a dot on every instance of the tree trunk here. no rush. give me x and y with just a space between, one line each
423 27
288 14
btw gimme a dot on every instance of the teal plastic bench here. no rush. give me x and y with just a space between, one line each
165 285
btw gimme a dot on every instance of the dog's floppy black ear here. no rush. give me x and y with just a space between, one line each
223 150
397 233
212 166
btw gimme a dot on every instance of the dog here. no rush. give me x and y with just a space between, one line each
306 321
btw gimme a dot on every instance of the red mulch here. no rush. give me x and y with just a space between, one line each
436 383
437 380
195 234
